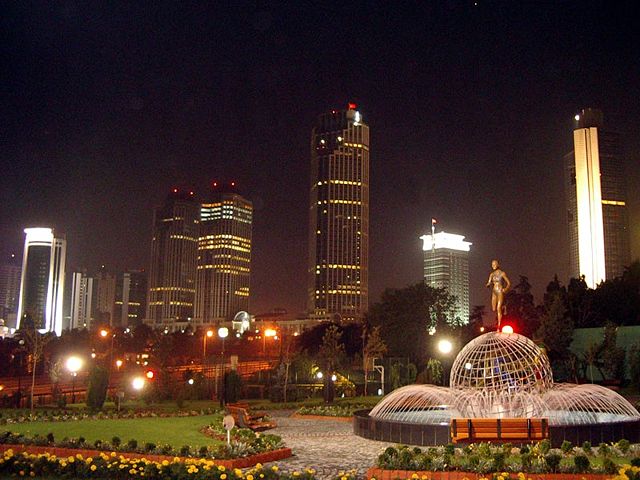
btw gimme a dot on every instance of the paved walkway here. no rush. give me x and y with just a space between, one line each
326 446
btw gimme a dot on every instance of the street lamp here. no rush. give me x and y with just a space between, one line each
118 364
138 383
269 332
445 347
223 332
74 364
208 334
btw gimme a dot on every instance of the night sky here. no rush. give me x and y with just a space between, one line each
106 105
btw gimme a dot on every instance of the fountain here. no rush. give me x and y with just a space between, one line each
500 375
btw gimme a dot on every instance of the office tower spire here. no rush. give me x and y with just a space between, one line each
596 201
224 255
42 282
172 274
338 286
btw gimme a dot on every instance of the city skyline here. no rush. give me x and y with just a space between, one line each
470 109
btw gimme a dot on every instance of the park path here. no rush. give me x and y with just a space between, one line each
327 446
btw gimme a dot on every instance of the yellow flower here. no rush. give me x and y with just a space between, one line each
221 468
274 468
71 459
89 460
249 477
79 456
93 468
223 476
415 475
165 462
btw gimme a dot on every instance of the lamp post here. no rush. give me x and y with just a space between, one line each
104 333
74 364
445 347
208 334
223 332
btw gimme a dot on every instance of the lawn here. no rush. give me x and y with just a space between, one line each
175 431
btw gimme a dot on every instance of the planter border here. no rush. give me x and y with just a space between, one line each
242 462
382 474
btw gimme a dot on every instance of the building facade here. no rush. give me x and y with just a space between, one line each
446 265
42 280
596 201
224 255
338 272
82 295
105 285
172 273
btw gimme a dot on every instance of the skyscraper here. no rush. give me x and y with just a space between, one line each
81 301
338 285
446 265
42 282
172 274
105 284
596 201
9 290
224 255
130 298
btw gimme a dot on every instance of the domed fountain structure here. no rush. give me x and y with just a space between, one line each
500 375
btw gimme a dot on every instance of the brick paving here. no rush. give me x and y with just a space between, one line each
324 445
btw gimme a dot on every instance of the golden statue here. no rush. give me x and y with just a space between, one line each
500 284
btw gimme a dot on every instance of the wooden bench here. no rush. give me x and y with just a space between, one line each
259 415
498 429
244 420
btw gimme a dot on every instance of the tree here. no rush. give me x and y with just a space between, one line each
612 355
410 313
330 355
556 328
521 308
98 386
374 348
35 344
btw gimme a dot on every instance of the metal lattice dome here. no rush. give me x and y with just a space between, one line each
502 362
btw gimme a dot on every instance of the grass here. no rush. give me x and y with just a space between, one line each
175 431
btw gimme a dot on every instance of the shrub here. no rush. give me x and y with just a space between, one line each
185 451
544 446
115 441
624 445
604 450
566 446
581 463
499 461
553 461
586 447
149 447
609 466
50 437
450 449
635 462
203 451
97 390
132 445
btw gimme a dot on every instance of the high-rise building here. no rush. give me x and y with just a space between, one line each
42 282
338 285
596 201
224 255
105 285
9 290
131 298
172 274
81 301
446 265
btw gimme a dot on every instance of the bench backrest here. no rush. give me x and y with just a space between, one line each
529 427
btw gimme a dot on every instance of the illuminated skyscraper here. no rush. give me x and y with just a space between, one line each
224 255
596 201
338 286
10 274
446 265
172 275
42 282
81 301
105 285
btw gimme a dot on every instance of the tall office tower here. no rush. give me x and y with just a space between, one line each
338 285
9 290
131 298
224 255
105 285
81 301
446 265
42 282
172 275
596 201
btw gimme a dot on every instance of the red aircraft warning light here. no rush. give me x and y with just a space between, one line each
352 106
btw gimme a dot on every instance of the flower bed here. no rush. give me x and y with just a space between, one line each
322 417
533 462
112 466
329 411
